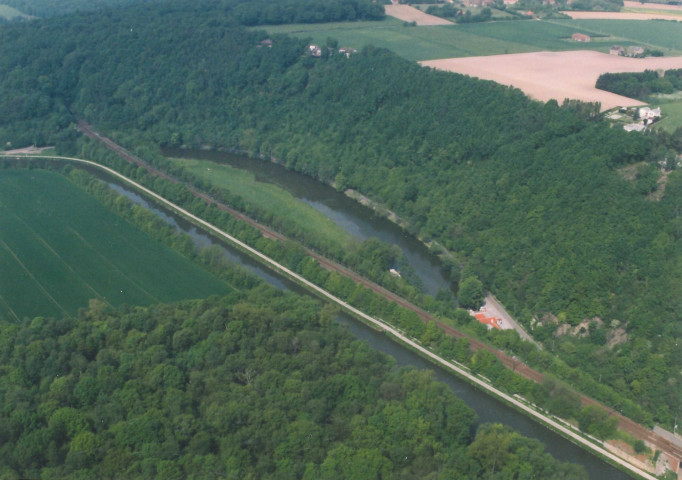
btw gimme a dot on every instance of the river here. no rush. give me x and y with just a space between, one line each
359 221
487 408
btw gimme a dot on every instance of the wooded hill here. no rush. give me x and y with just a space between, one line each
254 385
527 195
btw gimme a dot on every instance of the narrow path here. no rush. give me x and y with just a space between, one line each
542 418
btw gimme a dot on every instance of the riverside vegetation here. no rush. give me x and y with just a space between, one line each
526 195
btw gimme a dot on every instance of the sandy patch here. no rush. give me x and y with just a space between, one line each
620 16
556 75
411 14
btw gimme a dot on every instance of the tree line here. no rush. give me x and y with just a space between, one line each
641 84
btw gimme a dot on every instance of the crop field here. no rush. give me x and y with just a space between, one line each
664 35
271 198
407 13
625 15
557 75
654 11
434 42
59 248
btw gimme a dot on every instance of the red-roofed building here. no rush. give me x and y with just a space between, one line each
490 322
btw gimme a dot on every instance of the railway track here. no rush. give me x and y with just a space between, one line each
510 362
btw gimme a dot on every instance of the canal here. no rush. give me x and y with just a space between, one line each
487 408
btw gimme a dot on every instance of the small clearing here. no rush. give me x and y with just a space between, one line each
411 14
557 75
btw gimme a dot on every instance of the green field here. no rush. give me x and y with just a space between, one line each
278 202
661 34
10 13
59 248
428 43
671 108
653 11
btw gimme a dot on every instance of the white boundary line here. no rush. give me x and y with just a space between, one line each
386 328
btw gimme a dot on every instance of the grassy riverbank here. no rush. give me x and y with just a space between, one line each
269 198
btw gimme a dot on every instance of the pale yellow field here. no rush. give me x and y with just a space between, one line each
556 75
411 14
621 16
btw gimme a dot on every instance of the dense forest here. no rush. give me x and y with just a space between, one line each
266 12
51 8
251 12
640 85
254 385
526 195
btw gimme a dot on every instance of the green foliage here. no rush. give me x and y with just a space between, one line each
596 5
640 446
265 12
596 421
50 8
470 294
261 385
526 192
641 85
500 453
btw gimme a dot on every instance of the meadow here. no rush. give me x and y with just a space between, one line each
59 248
660 34
435 42
671 108
270 198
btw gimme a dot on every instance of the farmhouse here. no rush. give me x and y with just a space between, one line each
617 50
347 51
489 321
634 51
265 43
580 37
315 51
649 115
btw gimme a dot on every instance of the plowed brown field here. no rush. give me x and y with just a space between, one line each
556 75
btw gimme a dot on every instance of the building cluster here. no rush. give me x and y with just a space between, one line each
580 37
316 51
631 51
647 116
